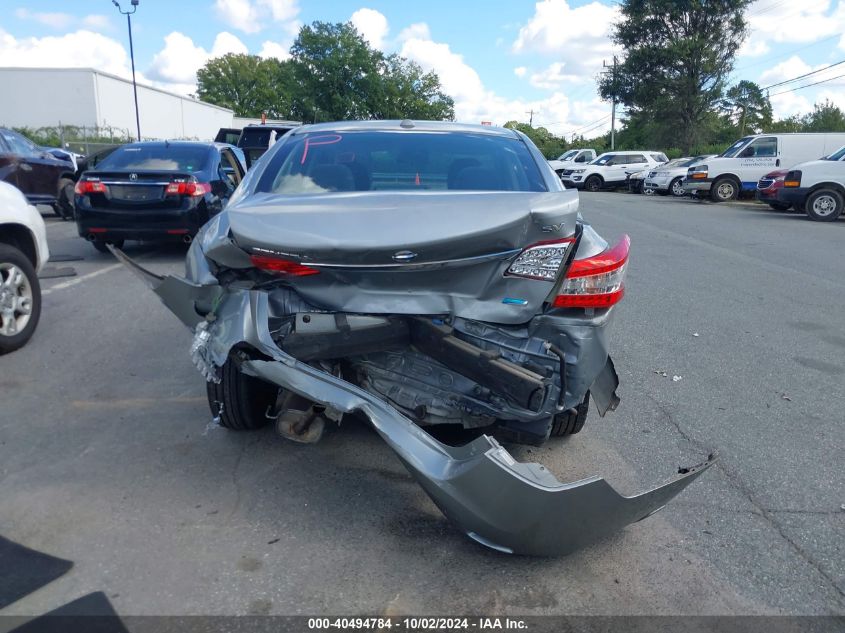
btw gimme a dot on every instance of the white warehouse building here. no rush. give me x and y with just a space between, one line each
47 97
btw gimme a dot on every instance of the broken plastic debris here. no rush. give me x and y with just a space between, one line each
695 333
785 397
677 378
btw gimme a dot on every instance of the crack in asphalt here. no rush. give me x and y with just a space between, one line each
765 513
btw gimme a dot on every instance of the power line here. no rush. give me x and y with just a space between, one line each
823 81
789 81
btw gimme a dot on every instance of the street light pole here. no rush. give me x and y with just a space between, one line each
128 15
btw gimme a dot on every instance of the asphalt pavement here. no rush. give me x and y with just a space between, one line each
108 456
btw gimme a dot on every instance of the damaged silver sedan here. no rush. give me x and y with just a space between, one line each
418 274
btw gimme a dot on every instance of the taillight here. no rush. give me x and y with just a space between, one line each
792 178
541 261
280 266
193 189
596 282
84 187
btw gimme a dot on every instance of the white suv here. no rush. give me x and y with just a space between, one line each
611 169
23 251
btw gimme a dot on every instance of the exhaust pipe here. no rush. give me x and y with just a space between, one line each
187 239
91 237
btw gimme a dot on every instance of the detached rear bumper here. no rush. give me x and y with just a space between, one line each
507 505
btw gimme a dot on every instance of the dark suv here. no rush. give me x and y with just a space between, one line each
43 178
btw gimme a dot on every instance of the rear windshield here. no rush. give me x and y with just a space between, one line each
321 162
260 136
157 157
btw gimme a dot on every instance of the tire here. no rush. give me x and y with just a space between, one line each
824 205
676 187
724 190
64 199
245 399
100 245
593 183
20 299
780 206
572 421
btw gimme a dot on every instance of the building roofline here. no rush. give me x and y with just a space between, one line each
112 76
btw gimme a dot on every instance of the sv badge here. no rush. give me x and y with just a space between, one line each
552 228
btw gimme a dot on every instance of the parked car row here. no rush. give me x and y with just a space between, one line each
611 169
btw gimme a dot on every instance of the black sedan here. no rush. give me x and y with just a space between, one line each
155 191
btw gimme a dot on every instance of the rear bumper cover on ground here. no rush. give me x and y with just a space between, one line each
507 505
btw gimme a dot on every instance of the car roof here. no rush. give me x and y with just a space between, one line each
208 144
406 124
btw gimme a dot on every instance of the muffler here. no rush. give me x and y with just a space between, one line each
187 239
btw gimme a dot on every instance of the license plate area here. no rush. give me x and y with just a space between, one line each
136 193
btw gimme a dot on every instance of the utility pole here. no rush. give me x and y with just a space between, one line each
530 114
613 97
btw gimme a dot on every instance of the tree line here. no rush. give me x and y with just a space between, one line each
672 82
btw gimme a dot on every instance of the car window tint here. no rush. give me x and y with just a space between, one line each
157 157
733 150
633 159
231 167
321 162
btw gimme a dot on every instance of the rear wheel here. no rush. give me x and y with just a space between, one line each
64 199
824 205
20 299
572 421
677 187
238 400
724 189
593 183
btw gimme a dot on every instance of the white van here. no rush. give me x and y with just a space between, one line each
740 166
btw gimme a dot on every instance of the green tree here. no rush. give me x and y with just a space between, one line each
678 56
339 76
409 93
747 107
825 117
248 85
550 145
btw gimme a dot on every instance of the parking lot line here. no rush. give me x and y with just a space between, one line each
79 280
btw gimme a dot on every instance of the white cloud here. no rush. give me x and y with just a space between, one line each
418 30
520 71
553 77
786 101
474 103
579 37
372 25
96 21
180 58
253 16
80 49
753 48
53 20
274 49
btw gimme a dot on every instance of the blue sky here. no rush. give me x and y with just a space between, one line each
499 60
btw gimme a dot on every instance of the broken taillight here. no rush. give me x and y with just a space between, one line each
541 261
596 282
281 266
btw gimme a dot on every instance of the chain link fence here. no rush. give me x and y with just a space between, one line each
80 139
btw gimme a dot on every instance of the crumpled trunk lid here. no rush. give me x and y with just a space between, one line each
410 252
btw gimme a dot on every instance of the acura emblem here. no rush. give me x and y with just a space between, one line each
404 256
133 176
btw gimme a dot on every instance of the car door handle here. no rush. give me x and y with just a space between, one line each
777 163
26 167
